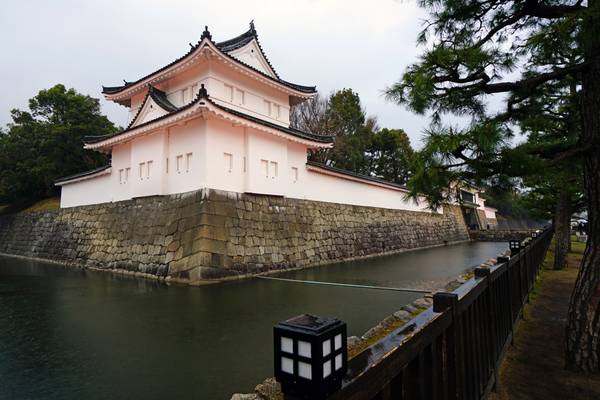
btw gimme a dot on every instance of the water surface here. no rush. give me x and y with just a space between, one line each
74 334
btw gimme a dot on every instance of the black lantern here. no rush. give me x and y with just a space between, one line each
310 355
515 246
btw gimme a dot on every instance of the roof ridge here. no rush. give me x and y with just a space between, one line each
355 174
222 47
82 174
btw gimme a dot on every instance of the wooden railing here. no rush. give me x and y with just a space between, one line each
452 350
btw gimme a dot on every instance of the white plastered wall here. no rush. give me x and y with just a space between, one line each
225 156
255 95
490 213
90 191
188 143
121 160
145 180
323 187
250 54
267 163
209 144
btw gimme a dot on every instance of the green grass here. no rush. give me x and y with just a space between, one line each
52 203
577 247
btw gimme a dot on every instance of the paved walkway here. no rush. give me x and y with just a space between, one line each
533 367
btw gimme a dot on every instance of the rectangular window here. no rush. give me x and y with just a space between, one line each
148 169
229 93
141 170
184 95
127 174
264 167
239 97
276 111
294 174
179 163
244 163
167 165
228 161
267 107
273 169
188 162
121 176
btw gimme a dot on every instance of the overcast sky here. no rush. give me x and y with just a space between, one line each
333 44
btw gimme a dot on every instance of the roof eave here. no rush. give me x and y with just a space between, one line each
199 106
83 176
129 89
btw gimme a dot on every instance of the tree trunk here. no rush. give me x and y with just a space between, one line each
562 229
583 329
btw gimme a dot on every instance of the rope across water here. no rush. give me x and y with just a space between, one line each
350 285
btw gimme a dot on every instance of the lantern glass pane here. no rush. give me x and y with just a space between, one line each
304 349
338 362
287 345
326 347
287 365
304 370
338 341
326 368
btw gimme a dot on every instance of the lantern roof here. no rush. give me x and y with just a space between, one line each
311 323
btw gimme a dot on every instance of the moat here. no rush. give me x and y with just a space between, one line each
74 334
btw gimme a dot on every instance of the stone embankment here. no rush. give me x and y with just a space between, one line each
208 234
499 235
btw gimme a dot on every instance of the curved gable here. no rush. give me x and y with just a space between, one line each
155 105
244 52
252 55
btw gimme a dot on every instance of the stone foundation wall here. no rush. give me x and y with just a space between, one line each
213 234
494 235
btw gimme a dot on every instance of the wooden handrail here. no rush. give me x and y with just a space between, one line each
453 349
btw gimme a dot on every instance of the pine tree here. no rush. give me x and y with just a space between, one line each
474 50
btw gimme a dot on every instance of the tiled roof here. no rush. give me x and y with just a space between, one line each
291 131
242 40
159 98
225 47
203 96
81 174
355 175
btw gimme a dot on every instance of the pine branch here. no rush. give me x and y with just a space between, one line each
524 85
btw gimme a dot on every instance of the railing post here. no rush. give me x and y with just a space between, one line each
491 324
442 302
519 265
527 280
503 259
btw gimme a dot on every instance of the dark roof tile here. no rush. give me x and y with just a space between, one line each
203 95
225 47
82 174
355 175
159 98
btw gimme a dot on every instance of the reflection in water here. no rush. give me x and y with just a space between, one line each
74 334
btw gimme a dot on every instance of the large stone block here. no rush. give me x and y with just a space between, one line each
210 234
